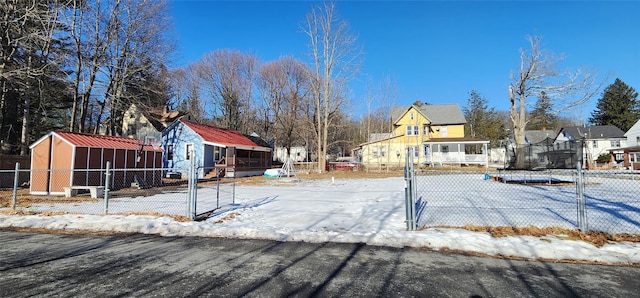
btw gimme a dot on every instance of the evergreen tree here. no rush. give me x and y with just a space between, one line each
482 122
619 106
541 116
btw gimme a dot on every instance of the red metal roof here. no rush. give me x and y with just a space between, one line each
220 135
102 141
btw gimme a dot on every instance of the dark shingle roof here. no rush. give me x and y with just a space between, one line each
537 136
438 114
594 132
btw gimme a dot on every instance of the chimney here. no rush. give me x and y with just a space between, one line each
418 103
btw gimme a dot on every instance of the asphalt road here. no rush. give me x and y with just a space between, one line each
48 265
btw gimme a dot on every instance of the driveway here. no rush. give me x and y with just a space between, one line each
51 265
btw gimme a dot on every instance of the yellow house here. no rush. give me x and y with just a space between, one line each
144 123
434 133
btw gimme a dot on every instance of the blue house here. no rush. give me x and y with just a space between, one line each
218 152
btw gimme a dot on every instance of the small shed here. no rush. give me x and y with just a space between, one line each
63 159
238 154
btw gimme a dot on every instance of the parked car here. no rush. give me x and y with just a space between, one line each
343 164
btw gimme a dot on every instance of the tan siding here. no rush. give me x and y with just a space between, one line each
61 165
41 159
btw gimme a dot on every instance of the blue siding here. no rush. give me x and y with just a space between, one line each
180 135
208 157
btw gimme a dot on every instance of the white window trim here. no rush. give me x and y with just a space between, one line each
170 151
187 155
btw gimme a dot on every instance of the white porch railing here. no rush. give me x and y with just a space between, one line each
455 158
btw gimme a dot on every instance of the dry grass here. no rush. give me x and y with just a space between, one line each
598 239
179 218
229 216
24 199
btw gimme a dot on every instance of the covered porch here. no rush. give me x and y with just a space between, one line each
456 151
238 161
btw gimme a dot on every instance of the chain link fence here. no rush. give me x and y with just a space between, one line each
605 201
173 192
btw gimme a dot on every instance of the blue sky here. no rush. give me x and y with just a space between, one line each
435 51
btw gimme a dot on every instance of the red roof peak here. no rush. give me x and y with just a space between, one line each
94 140
220 135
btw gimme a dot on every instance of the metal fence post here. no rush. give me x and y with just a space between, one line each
409 191
15 186
191 210
194 193
581 211
217 187
107 183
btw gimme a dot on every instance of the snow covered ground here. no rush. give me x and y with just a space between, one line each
367 211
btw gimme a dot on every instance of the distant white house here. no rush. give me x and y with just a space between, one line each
298 154
632 151
594 141
633 135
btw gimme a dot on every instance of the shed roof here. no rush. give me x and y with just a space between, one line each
220 136
100 141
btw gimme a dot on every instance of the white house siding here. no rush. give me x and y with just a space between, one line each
298 154
633 135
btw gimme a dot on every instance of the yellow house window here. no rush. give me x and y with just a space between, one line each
443 131
412 130
411 116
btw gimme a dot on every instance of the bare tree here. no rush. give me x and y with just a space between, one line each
335 55
284 87
228 78
141 44
186 86
538 73
91 25
27 34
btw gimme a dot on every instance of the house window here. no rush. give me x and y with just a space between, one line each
416 151
637 140
594 144
382 151
615 143
188 148
170 152
411 115
375 151
131 129
425 130
426 150
412 130
443 131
